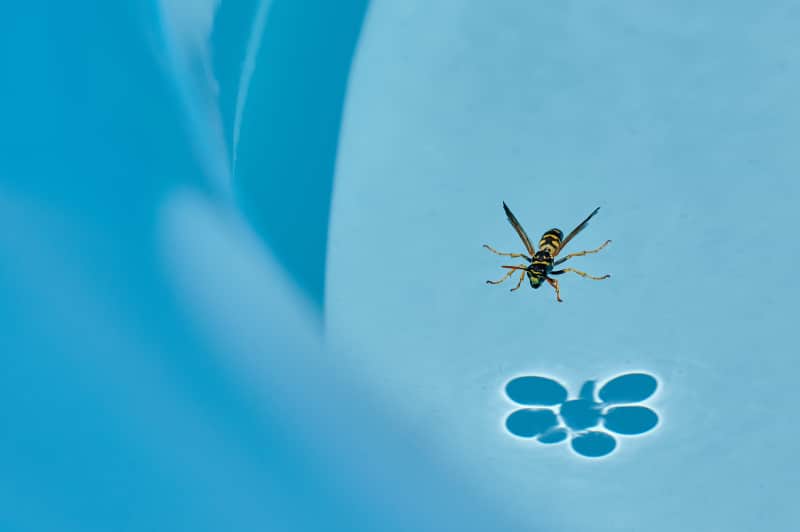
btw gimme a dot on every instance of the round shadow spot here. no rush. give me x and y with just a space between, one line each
628 388
593 444
533 390
530 422
630 420
554 435
580 414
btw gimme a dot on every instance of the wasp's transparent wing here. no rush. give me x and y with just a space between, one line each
575 231
520 231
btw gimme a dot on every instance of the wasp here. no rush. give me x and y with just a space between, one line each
541 263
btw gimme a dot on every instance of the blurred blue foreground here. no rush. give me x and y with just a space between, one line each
161 370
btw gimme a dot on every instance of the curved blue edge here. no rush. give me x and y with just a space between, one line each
290 130
121 414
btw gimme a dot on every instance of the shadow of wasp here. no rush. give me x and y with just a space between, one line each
542 262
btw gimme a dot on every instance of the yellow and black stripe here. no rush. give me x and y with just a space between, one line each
541 265
551 241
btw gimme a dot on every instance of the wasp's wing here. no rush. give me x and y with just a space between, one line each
520 231
577 230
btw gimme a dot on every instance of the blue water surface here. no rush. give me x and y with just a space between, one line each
243 286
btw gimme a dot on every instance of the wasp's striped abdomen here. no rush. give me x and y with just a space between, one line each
551 241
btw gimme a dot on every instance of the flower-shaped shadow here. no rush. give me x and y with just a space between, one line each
554 418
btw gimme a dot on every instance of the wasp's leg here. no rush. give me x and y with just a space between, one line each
554 284
581 253
582 274
506 276
490 248
511 270
521 278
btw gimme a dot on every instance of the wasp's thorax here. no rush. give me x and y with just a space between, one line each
541 265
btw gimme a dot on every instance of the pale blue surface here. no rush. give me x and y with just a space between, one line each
680 120
163 367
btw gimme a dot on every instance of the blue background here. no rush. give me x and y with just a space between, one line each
243 284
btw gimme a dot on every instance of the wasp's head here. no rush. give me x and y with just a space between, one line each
535 279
